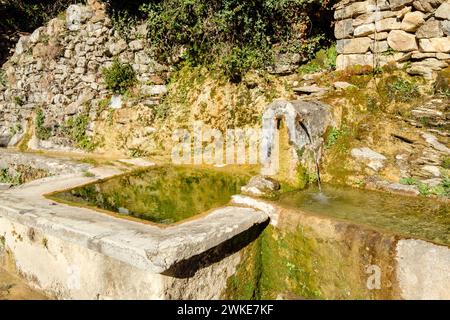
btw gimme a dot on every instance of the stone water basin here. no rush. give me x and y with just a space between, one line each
418 217
164 194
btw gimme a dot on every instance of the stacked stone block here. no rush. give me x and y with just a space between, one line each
378 32
58 69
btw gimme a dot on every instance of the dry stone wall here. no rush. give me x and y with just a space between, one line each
410 33
58 69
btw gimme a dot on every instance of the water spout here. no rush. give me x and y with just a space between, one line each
316 157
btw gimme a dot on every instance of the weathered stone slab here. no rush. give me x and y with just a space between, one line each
364 30
354 9
426 67
379 46
342 85
420 258
343 29
77 15
260 186
443 12
387 24
430 29
412 21
446 27
402 41
379 36
427 5
397 4
344 61
357 45
435 45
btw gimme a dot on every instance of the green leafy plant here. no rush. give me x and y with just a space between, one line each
119 77
323 60
235 35
3 79
442 189
446 163
75 129
123 23
19 101
389 52
334 136
7 177
409 181
400 89
42 132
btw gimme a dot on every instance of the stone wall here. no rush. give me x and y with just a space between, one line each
58 68
411 33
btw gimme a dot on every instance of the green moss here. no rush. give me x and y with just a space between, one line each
277 262
303 177
23 144
244 283
288 264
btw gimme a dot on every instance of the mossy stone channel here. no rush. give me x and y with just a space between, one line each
424 218
165 194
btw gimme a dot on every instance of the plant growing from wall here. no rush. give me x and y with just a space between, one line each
75 128
123 23
42 132
3 80
323 60
119 77
235 35
19 101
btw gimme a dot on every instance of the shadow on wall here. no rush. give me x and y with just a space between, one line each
188 268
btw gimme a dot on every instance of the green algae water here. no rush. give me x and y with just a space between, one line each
419 217
165 194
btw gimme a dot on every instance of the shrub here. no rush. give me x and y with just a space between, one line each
42 132
123 23
119 77
75 129
233 34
